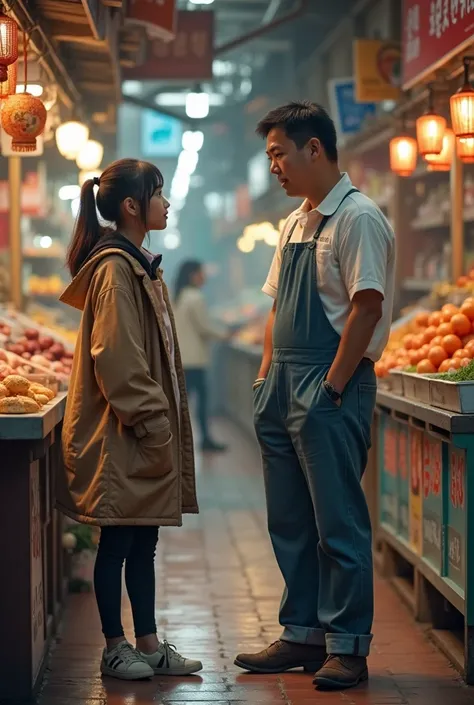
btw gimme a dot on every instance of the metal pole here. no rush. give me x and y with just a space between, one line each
16 264
457 218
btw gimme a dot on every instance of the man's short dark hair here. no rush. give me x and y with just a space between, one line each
302 120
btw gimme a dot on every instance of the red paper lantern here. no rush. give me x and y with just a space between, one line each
462 107
23 118
403 155
465 149
8 87
8 44
442 161
430 129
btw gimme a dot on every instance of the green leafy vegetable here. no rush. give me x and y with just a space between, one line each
464 374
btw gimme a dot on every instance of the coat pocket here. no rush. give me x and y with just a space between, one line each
153 455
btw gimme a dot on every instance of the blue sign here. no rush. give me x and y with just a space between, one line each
160 135
349 116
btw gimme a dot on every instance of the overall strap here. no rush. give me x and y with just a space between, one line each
291 232
327 217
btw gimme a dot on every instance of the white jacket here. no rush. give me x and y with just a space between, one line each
195 329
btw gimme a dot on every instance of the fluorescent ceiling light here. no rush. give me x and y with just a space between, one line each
178 100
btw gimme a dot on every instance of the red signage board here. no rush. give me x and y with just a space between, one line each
433 32
188 57
157 16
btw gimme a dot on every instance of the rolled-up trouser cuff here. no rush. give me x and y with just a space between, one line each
349 644
304 635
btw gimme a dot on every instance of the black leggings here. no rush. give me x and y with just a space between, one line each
136 545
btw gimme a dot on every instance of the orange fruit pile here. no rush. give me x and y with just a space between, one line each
440 341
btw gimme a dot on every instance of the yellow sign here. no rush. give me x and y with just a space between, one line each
377 70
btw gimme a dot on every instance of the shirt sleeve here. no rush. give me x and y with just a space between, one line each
365 249
271 285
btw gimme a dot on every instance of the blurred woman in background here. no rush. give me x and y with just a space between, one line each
196 332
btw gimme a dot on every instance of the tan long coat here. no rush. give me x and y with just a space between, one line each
128 449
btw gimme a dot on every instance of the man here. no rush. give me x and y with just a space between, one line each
332 279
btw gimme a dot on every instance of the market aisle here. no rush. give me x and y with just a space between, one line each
218 593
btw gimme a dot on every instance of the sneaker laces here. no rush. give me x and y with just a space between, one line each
173 652
128 654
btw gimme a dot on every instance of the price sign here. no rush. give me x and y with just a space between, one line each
456 530
416 472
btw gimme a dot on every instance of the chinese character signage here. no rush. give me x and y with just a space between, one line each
456 530
157 16
348 114
403 482
187 57
389 479
433 32
432 501
377 70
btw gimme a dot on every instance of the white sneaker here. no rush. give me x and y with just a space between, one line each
167 662
126 663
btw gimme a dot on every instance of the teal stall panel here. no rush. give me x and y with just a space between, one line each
432 502
403 482
456 518
389 480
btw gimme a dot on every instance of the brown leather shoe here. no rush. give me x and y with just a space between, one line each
341 671
283 656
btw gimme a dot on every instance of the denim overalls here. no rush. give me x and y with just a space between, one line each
314 455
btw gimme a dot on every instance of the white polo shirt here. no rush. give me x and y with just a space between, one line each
355 251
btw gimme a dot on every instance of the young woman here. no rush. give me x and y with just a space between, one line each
195 333
127 442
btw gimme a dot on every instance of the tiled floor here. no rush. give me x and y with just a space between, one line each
218 593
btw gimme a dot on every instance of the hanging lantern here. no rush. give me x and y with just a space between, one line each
71 137
90 156
403 155
462 107
442 161
430 129
8 44
8 87
465 149
23 117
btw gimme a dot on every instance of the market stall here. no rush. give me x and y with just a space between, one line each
32 589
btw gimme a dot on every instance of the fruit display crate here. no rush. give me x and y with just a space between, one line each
453 396
425 476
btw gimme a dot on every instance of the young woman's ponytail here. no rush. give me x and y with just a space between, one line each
87 230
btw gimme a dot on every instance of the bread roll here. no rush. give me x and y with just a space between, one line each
3 391
19 405
40 389
41 399
16 384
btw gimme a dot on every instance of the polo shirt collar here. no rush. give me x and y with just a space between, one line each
332 201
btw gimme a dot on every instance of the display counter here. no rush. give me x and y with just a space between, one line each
32 588
426 483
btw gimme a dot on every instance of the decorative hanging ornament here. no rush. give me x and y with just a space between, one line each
462 107
430 129
403 155
465 149
442 161
8 44
8 87
23 117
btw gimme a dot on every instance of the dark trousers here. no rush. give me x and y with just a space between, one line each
136 546
196 383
